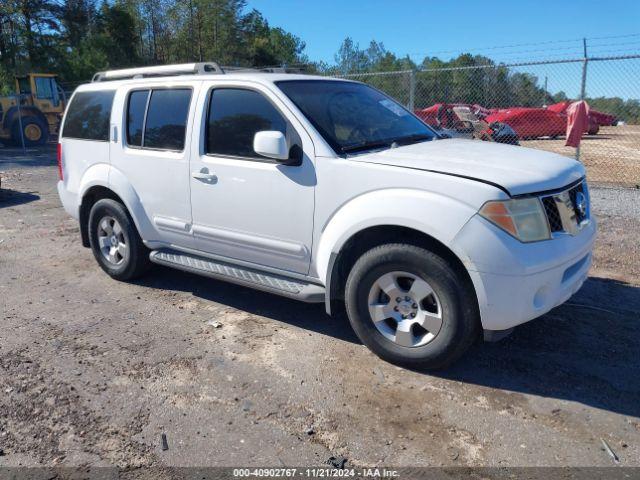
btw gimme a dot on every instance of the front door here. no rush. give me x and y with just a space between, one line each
245 206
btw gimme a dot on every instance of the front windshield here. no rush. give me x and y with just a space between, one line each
353 117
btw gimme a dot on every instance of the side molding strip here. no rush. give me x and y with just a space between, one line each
281 247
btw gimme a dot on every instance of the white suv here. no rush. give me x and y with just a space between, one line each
324 190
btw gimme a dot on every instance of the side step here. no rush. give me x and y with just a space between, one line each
269 282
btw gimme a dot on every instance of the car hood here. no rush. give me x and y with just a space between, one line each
516 169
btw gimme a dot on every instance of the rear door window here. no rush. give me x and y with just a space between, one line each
88 116
166 120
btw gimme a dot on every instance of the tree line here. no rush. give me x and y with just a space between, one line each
76 38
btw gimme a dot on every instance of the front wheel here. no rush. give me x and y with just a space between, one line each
115 241
411 307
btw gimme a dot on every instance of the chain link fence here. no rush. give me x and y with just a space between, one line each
526 103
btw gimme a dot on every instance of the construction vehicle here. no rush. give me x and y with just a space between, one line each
34 113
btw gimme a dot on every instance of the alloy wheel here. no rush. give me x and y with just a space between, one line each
405 309
111 240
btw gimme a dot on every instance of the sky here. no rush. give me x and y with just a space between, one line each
505 30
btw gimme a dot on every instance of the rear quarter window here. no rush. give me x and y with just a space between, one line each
88 116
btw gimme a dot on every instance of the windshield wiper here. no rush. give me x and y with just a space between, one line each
366 146
389 143
418 137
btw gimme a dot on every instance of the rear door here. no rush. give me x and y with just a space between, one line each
152 153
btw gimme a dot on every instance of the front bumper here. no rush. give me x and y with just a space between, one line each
517 282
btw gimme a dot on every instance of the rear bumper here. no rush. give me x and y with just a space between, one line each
518 282
69 200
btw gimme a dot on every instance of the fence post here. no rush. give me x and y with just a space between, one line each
24 148
412 90
583 84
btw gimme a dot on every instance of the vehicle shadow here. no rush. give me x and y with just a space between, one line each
310 316
585 351
11 198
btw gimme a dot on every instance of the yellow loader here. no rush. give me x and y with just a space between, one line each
35 111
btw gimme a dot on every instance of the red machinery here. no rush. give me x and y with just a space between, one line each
537 122
442 114
526 122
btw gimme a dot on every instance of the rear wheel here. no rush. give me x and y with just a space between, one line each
115 241
35 131
411 307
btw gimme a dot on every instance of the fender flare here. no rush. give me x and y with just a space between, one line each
415 209
117 182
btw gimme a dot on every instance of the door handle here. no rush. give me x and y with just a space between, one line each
205 177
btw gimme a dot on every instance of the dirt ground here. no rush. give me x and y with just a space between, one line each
611 157
93 371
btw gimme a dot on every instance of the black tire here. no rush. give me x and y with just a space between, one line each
27 122
459 310
135 262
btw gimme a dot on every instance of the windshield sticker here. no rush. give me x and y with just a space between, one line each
397 109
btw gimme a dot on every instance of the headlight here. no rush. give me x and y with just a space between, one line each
524 218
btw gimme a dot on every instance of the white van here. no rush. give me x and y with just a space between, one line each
324 190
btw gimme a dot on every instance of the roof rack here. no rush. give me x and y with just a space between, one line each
201 68
160 71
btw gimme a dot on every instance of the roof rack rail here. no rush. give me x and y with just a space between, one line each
159 71
282 70
230 69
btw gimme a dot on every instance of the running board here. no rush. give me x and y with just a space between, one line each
269 282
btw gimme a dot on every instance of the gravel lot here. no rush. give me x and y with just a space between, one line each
612 156
93 371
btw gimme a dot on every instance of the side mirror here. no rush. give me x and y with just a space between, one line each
272 144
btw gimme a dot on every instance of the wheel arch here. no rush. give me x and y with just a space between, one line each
119 189
89 199
342 260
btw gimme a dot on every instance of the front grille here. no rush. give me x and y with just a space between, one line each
555 222
568 210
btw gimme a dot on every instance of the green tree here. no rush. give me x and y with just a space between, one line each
116 35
